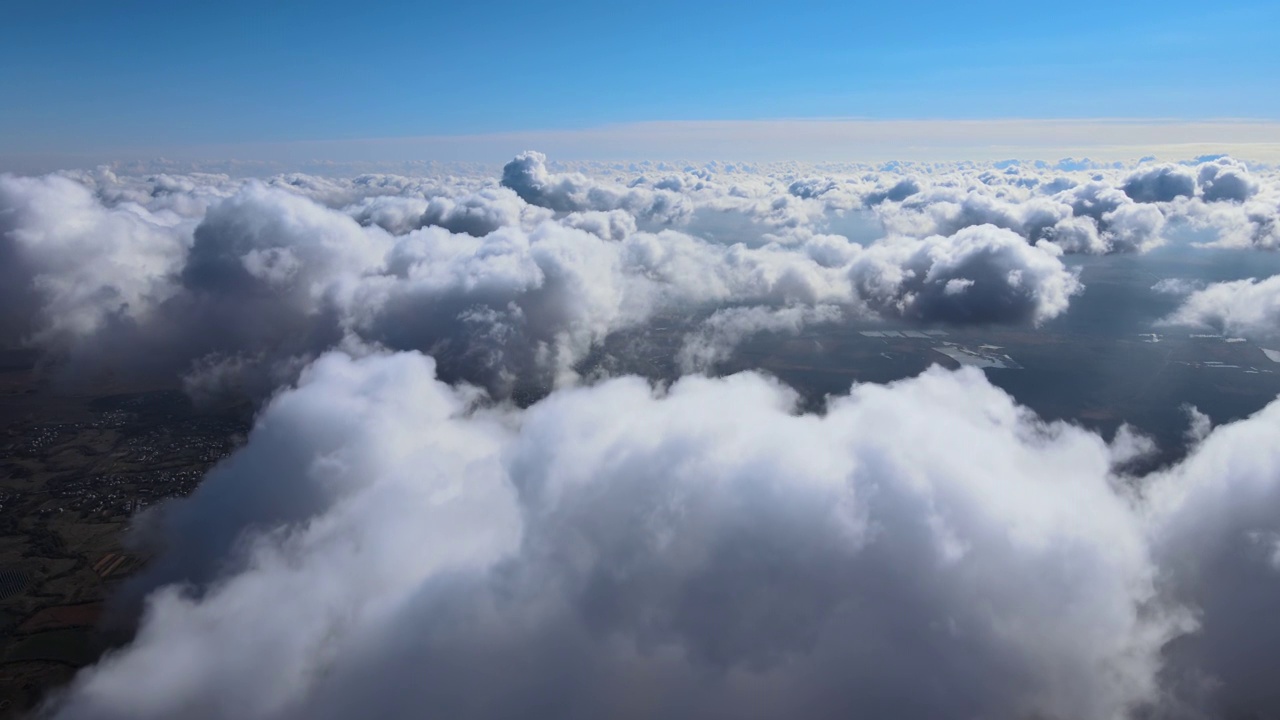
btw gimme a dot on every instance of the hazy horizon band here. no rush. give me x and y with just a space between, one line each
771 140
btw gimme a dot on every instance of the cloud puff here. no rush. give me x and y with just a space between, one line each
1242 307
1214 533
1226 179
899 191
1251 224
70 266
387 544
1093 217
528 176
1081 207
704 549
475 213
979 275
1160 183
242 282
611 225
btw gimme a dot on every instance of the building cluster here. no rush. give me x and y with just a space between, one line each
132 467
120 494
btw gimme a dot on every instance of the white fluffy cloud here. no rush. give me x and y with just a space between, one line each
980 274
1160 183
238 282
1242 307
1214 521
387 545
514 280
528 176
1081 207
1226 179
69 265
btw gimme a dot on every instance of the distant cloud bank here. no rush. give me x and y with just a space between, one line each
514 278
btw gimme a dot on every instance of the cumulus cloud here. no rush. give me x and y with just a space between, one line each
1081 207
387 544
70 266
1255 223
661 523
718 336
979 275
1177 286
809 188
610 225
1242 307
1160 183
1064 203
1226 179
529 177
1214 520
238 283
899 191
1093 217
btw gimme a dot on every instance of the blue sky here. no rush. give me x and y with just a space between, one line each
96 76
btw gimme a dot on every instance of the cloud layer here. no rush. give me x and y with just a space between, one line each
508 285
445 509
513 278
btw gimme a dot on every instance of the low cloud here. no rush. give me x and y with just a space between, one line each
237 283
1242 307
387 544
70 266
980 275
398 538
1225 179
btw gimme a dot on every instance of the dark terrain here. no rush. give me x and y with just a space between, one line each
74 468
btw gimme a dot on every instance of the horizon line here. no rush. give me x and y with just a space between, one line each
810 139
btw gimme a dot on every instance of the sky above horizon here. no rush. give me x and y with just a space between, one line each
88 78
